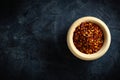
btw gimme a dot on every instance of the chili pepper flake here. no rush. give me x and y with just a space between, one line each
88 37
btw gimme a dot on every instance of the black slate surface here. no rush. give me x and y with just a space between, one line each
33 40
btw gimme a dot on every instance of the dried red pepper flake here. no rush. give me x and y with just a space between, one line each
88 37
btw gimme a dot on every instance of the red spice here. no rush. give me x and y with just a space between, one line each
88 37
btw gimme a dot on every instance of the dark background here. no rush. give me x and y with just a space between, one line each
33 40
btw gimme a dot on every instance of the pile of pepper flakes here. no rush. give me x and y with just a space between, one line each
88 37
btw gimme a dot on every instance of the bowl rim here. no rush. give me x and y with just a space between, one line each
104 48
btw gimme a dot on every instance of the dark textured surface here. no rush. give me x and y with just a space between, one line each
33 40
